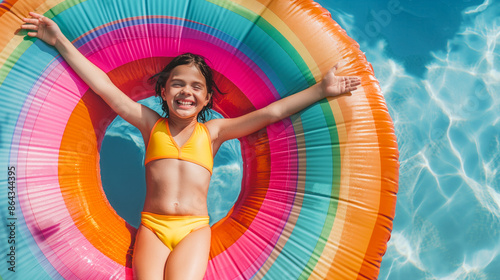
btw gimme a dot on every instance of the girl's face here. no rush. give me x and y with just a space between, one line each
185 91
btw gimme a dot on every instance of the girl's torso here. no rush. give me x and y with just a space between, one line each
177 175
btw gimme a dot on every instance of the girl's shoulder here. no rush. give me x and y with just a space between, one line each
214 127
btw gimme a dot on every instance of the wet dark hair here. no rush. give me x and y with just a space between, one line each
187 59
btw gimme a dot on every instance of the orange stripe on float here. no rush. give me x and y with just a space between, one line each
80 183
389 188
362 203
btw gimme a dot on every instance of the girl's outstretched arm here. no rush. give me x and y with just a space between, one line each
47 30
330 86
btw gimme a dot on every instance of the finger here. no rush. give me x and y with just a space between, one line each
334 68
352 80
32 34
356 81
29 26
35 15
352 87
31 20
331 71
38 17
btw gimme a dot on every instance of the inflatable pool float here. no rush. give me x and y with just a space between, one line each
318 193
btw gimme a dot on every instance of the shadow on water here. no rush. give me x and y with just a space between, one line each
123 177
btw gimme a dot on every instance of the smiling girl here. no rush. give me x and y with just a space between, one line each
173 240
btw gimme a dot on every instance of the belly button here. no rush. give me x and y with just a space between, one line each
176 204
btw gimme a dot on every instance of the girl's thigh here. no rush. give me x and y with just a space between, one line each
189 258
150 255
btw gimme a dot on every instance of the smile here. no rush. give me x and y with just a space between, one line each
185 103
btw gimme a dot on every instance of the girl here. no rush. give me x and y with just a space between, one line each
173 240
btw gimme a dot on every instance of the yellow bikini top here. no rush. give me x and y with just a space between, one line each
197 149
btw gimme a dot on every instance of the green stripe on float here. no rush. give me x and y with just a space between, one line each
335 194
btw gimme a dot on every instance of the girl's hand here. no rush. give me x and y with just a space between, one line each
333 85
46 29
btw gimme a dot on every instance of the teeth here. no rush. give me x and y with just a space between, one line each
185 102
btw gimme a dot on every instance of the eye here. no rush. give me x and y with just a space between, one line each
197 86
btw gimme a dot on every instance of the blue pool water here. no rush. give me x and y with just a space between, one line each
438 63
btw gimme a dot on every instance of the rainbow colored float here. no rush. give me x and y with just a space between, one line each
319 189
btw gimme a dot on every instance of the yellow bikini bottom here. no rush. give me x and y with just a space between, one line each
172 229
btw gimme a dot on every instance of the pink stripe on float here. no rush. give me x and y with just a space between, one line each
42 134
37 158
284 165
